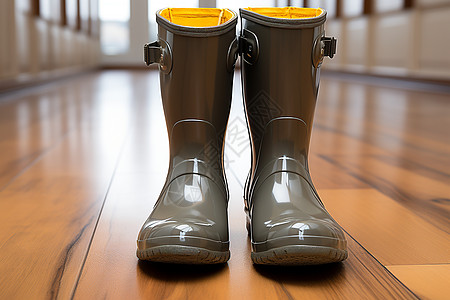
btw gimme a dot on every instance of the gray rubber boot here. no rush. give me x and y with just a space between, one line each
281 57
189 222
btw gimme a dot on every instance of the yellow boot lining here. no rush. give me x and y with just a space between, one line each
197 17
287 12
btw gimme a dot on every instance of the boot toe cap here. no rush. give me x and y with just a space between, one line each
313 232
182 232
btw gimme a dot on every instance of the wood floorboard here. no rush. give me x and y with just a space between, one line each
113 271
49 212
29 127
404 112
324 175
427 281
388 230
414 166
83 161
394 121
424 196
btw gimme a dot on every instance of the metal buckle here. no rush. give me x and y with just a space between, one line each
329 48
159 52
233 51
153 53
248 46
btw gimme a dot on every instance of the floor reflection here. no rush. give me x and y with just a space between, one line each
178 272
303 275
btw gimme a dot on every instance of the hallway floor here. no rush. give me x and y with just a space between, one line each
82 162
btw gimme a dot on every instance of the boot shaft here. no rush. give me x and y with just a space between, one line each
199 84
196 51
282 50
281 71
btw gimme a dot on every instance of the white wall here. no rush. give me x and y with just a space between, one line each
33 48
139 35
411 43
391 41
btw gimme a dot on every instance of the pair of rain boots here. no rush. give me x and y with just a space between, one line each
281 52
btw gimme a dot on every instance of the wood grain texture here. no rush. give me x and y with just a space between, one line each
405 124
426 281
422 195
113 271
324 176
83 161
388 230
49 212
22 123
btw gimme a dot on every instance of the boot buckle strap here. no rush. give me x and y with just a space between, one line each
153 53
329 48
248 46
159 52
233 51
323 46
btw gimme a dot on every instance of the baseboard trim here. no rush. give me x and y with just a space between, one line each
130 67
401 82
408 83
26 80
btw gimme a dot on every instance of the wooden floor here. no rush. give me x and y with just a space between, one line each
82 162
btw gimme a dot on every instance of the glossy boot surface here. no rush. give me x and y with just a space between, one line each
196 51
282 50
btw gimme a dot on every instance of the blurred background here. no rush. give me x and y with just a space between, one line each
82 160
43 39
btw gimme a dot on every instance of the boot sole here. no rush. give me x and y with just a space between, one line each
299 255
183 255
